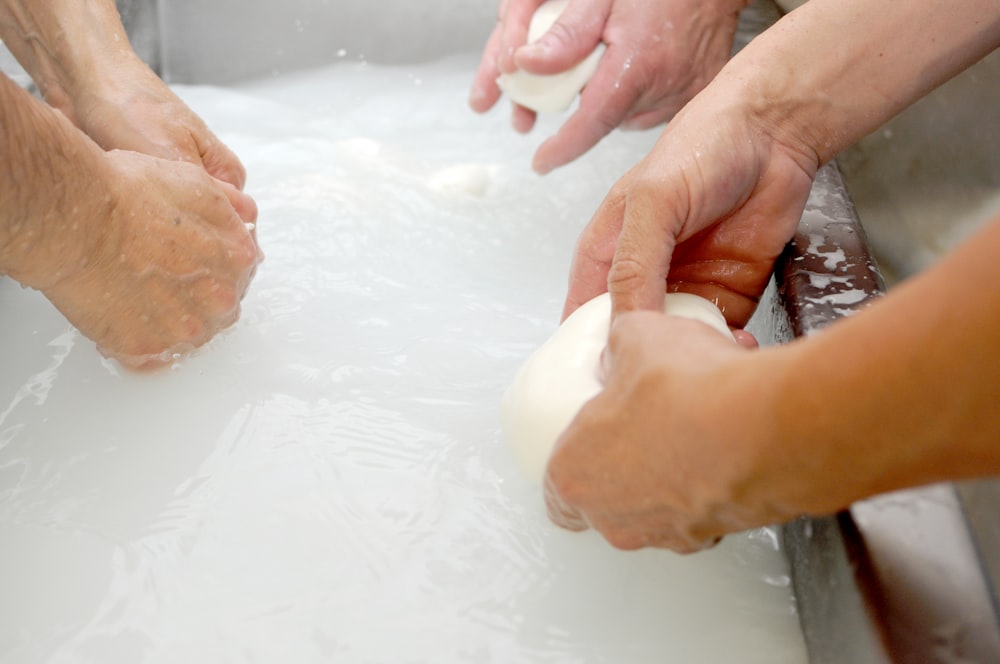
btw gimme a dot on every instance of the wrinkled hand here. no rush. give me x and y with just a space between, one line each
164 268
659 457
135 110
659 55
708 211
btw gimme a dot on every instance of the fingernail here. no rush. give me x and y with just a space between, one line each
535 50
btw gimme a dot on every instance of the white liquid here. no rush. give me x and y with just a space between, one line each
327 481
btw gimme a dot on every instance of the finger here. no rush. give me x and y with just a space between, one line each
484 91
570 39
641 119
243 204
625 353
559 511
522 119
216 157
745 339
642 531
604 104
639 532
246 209
638 272
223 164
595 249
683 545
514 26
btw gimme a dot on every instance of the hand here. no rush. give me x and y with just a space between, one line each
660 458
163 268
136 111
659 55
708 211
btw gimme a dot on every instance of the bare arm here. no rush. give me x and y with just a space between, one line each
80 57
904 393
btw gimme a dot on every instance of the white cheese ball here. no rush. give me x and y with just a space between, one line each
555 92
562 375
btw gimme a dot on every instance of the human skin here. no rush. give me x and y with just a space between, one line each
692 439
146 256
80 58
659 55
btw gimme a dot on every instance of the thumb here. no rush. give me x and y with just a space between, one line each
570 39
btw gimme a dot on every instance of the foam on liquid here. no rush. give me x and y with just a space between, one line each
326 481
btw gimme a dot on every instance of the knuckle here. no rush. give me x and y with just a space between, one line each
625 275
194 329
647 119
245 257
607 119
226 299
562 35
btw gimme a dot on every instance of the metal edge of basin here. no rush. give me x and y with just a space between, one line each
827 258
898 577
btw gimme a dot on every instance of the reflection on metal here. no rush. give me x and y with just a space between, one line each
905 577
922 576
827 271
837 622
980 502
899 577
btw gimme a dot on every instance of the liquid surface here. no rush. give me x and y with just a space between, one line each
326 481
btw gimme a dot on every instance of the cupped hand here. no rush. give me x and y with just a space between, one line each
665 456
135 110
708 211
164 268
659 55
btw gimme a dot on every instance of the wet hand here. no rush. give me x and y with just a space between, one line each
658 458
708 211
165 268
134 110
659 55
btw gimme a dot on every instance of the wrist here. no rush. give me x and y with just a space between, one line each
67 47
832 71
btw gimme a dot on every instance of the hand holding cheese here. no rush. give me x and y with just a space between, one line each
562 375
635 64
552 92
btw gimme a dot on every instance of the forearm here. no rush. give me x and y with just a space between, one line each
902 394
63 44
832 71
51 173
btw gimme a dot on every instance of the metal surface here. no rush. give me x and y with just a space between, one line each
899 577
